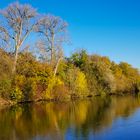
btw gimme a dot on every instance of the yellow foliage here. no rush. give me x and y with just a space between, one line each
81 83
54 81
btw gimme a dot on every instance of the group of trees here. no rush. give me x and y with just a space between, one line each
19 21
105 76
46 74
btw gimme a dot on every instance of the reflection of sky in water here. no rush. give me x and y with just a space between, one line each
121 129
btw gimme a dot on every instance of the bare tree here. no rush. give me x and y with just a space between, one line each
53 31
4 37
18 22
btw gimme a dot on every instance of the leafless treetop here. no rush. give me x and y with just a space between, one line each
52 25
18 21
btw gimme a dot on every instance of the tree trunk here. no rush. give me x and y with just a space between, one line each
56 67
15 60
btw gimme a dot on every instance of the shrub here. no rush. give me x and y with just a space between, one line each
5 88
76 81
16 94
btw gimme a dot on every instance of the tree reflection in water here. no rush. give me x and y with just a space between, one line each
59 120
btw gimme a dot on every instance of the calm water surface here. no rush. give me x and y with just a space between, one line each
114 118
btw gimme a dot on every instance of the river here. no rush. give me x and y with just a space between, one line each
113 118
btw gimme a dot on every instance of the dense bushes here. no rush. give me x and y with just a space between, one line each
106 77
5 88
77 76
5 73
76 81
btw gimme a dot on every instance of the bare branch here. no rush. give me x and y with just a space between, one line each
53 29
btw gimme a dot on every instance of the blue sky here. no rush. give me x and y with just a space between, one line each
105 27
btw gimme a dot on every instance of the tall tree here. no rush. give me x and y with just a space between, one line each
19 20
53 31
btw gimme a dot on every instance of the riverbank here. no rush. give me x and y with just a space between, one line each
4 103
7 103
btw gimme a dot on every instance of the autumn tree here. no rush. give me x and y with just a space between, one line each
79 59
19 20
5 73
76 81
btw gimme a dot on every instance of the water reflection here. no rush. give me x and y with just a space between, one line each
72 120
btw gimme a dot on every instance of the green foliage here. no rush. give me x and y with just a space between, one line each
79 59
16 94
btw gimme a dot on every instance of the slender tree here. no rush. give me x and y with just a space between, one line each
53 31
19 20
